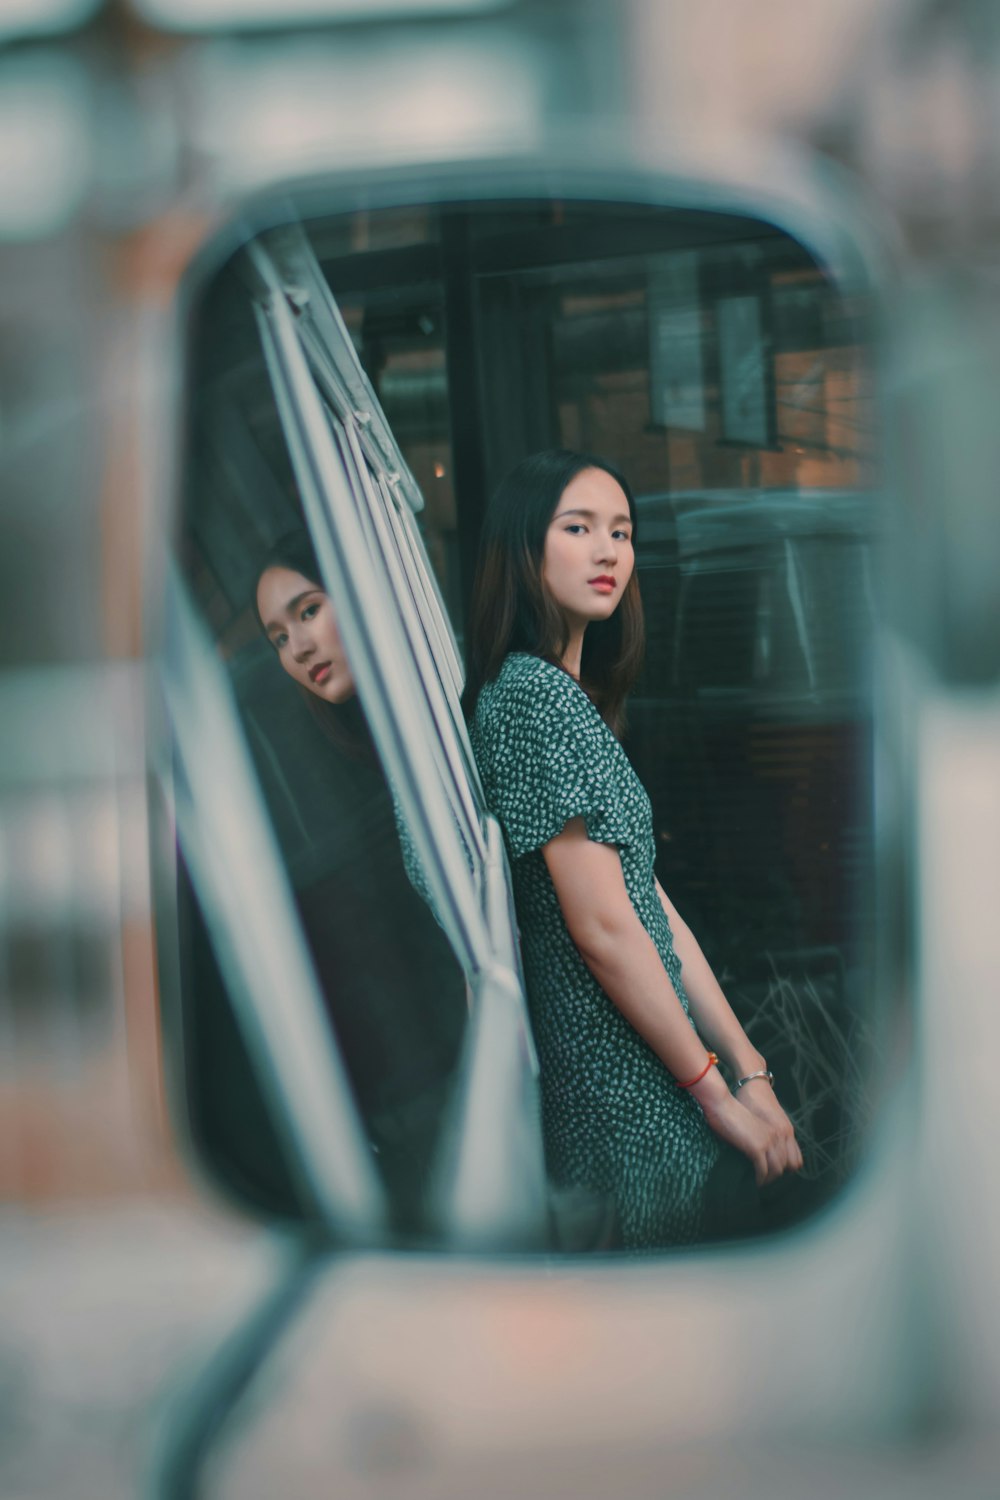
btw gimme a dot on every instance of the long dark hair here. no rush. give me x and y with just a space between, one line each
343 724
513 611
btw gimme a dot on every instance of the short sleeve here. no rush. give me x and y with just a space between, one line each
548 757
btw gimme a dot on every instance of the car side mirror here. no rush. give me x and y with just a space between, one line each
354 1043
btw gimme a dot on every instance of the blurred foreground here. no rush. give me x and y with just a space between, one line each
423 1377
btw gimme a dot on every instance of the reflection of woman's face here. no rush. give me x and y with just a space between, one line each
299 621
588 557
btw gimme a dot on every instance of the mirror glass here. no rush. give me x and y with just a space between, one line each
713 358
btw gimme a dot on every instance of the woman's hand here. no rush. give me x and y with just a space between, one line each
759 1098
769 1143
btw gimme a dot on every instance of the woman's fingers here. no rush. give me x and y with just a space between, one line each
755 1138
780 1155
767 1167
761 1102
764 1134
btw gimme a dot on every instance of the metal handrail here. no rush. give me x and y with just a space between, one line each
466 809
400 720
343 381
439 633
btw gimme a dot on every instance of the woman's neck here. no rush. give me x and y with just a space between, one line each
573 655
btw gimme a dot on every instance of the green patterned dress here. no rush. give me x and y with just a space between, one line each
614 1120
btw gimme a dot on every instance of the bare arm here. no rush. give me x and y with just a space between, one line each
723 1033
618 951
710 1009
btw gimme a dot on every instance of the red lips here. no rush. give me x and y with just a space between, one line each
603 581
321 670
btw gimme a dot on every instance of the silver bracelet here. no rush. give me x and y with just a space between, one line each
760 1073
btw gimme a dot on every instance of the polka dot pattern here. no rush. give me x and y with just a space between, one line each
615 1122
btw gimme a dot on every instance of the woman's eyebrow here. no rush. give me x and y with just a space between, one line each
579 511
291 605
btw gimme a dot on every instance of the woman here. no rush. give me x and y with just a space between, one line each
395 994
634 1104
295 614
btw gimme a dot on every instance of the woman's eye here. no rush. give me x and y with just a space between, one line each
310 610
621 536
279 640
575 528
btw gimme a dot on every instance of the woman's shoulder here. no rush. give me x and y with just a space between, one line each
534 696
528 679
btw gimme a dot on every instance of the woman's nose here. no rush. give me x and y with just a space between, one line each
302 644
605 546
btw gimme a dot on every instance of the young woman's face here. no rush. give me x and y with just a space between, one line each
300 625
588 558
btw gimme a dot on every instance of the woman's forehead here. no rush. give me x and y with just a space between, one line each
595 492
279 588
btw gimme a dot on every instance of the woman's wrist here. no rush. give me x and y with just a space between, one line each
743 1060
711 1061
759 1076
711 1091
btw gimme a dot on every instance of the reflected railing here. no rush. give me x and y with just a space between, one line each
381 658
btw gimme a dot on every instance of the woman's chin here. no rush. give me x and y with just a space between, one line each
335 690
591 611
602 608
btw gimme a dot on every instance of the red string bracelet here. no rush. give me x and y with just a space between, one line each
712 1062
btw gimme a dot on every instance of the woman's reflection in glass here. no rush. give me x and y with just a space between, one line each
298 620
396 997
